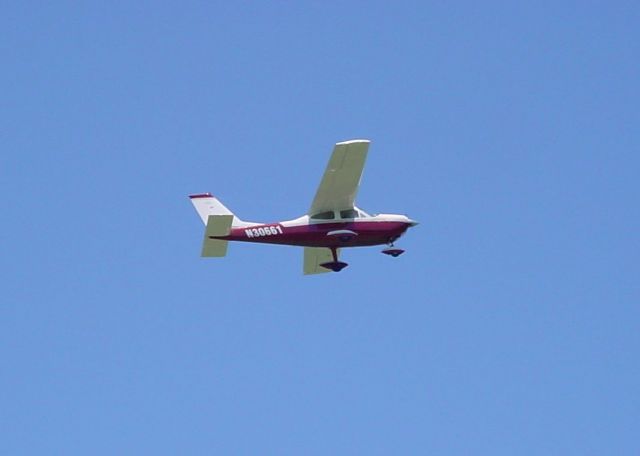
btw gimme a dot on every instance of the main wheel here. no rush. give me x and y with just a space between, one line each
335 266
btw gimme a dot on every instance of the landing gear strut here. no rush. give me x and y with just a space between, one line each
335 265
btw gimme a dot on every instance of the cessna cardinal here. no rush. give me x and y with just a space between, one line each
332 223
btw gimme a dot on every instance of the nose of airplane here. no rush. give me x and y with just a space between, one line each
412 223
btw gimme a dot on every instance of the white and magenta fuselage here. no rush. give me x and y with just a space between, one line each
305 231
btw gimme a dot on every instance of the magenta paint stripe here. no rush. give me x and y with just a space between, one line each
369 233
201 195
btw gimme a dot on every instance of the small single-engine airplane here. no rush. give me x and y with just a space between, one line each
332 223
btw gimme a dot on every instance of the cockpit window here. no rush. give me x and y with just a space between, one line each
349 213
328 215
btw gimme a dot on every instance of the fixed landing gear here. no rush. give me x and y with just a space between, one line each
335 265
391 250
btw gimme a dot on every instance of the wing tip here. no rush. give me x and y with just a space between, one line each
353 141
201 195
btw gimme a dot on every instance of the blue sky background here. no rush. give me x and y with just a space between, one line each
510 326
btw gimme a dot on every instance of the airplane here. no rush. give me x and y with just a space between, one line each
332 223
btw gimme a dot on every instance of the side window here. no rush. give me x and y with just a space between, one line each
328 215
349 213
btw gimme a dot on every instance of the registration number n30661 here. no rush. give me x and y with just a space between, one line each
271 230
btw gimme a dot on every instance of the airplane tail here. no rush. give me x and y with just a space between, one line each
206 204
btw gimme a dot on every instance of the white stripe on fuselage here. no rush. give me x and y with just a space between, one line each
306 220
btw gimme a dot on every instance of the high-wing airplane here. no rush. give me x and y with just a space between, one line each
332 223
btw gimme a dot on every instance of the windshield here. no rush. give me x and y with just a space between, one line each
362 213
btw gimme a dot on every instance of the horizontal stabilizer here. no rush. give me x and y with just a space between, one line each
217 226
214 248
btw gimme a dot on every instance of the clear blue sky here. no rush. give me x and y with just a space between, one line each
509 130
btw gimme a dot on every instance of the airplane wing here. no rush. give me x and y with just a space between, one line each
314 257
341 179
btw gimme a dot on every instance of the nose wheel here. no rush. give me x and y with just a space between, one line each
394 252
391 250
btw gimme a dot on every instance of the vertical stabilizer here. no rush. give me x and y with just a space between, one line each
206 204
